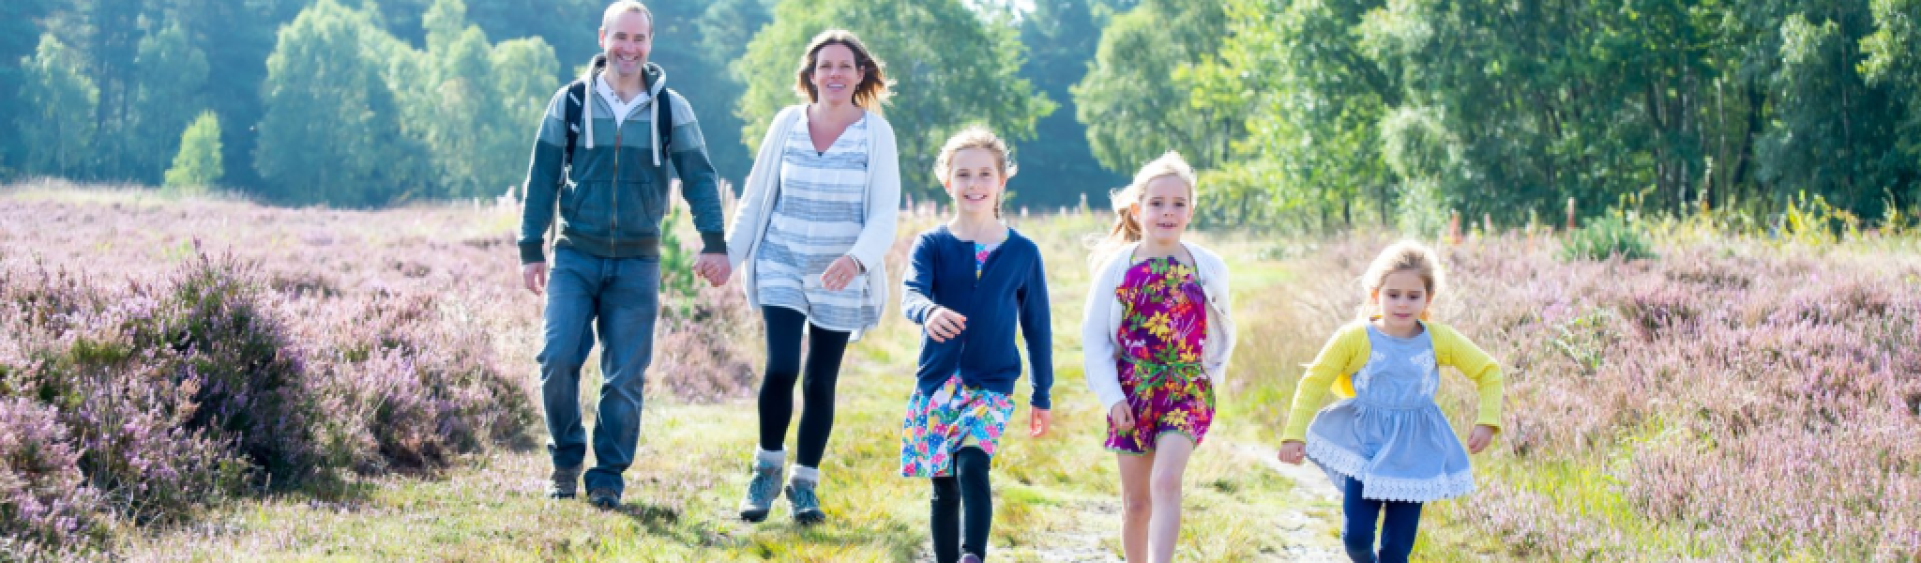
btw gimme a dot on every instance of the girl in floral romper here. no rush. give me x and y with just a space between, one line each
1157 337
972 280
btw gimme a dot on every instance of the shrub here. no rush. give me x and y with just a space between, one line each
1613 235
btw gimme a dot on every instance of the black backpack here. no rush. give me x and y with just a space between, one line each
577 95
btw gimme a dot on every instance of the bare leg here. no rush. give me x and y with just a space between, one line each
1137 504
1170 462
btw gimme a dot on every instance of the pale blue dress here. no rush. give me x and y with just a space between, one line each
1391 435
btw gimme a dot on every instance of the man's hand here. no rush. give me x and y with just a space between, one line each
535 276
714 268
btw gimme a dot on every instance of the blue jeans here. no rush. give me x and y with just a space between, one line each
624 296
1397 528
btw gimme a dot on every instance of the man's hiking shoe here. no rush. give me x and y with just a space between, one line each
605 499
565 481
806 505
761 491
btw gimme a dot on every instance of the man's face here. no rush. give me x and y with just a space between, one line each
627 40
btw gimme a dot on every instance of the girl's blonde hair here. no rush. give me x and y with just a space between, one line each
1128 229
975 137
1404 256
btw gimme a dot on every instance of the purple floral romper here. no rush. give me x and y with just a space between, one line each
1163 324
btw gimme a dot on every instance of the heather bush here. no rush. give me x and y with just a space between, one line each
175 380
43 505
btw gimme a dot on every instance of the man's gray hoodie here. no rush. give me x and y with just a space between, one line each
612 203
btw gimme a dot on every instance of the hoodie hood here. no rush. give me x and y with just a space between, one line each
651 74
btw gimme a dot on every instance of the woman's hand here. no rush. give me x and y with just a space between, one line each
944 323
1480 438
1293 452
1037 422
840 273
1121 417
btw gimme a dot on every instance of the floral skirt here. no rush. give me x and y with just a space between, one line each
1164 398
937 426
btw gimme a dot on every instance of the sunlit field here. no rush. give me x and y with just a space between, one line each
198 378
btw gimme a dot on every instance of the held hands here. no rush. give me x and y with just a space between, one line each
944 323
1480 438
1293 452
1121 417
534 274
714 268
1037 422
840 273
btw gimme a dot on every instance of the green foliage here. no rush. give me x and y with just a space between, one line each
172 74
949 66
197 167
1137 98
59 103
331 133
1615 234
1061 168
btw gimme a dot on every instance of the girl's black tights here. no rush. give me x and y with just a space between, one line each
967 486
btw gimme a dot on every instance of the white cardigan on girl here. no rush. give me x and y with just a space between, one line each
1104 313
756 208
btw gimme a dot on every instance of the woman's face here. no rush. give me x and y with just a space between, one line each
1164 209
975 181
836 75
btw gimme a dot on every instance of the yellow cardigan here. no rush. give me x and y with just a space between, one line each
1347 352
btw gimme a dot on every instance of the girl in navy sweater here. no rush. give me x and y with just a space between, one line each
970 281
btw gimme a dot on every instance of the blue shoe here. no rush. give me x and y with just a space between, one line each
761 491
806 504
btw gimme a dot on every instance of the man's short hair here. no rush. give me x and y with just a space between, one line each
619 7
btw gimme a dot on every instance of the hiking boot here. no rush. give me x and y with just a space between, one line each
565 482
970 558
761 491
605 499
806 505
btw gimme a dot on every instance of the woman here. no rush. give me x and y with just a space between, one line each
812 228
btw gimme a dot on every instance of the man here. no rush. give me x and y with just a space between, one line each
602 159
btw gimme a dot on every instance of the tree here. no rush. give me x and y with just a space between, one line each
1061 168
171 76
950 68
331 131
58 102
1137 98
724 31
1894 60
19 35
197 167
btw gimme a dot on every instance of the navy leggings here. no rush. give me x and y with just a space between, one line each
1397 528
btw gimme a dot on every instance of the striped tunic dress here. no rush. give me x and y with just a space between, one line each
817 216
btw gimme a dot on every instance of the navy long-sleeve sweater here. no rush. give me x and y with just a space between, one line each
1011 288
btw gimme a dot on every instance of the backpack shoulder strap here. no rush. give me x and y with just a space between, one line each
576 95
664 120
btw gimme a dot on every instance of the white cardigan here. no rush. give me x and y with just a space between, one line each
756 208
1105 311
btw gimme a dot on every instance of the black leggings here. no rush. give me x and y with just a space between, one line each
825 348
967 485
